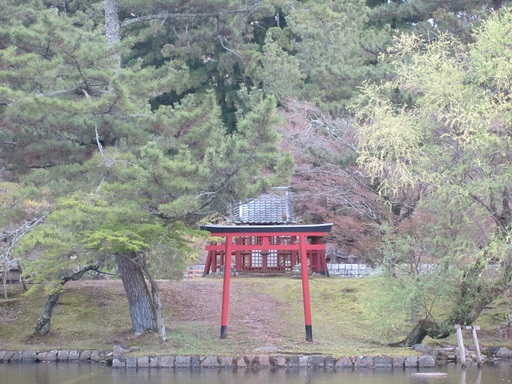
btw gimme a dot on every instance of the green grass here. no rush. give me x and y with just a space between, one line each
344 324
81 320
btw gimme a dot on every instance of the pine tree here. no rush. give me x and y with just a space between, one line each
126 175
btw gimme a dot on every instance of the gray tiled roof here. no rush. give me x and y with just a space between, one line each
275 207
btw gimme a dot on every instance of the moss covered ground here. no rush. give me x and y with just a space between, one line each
266 313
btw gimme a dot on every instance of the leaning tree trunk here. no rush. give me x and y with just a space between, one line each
159 318
422 329
44 321
474 295
142 311
463 313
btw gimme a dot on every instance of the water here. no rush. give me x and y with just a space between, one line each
84 373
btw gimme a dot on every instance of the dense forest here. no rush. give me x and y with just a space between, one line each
124 124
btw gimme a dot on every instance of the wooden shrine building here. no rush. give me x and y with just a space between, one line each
265 239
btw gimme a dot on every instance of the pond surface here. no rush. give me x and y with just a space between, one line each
82 373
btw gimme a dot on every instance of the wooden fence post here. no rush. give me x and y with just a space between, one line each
475 328
460 342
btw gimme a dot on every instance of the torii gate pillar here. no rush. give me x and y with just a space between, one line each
225 289
305 288
297 236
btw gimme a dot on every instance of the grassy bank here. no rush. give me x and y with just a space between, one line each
264 312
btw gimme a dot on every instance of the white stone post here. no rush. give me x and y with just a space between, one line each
460 342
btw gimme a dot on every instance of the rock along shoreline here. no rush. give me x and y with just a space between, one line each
243 362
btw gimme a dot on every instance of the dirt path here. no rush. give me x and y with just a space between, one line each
250 311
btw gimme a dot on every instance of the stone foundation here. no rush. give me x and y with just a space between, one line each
245 362
248 361
62 355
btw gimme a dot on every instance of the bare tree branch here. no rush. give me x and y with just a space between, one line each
189 15
221 38
12 238
108 161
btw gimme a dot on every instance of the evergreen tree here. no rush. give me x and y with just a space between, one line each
323 51
125 174
429 18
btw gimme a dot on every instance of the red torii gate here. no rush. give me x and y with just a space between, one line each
289 241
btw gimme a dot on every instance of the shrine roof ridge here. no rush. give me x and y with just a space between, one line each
288 228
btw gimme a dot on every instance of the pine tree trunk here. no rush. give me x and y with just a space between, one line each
44 321
142 311
159 318
113 26
112 29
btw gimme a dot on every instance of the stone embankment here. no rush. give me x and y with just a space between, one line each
247 361
55 355
265 361
429 360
